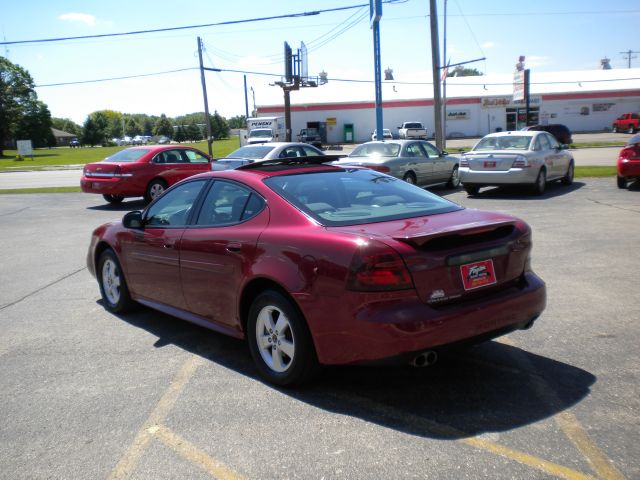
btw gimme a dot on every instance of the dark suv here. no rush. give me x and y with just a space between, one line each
561 132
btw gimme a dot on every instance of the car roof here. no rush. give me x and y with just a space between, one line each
519 133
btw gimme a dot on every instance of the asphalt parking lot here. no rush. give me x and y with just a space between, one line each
87 394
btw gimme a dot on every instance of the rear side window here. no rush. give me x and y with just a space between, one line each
127 155
195 157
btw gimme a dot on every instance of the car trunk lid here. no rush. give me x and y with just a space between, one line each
490 161
459 255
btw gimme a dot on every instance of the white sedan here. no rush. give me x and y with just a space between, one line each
513 158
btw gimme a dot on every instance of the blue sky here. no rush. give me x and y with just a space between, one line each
553 35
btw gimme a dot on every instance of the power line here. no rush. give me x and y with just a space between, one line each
117 78
168 29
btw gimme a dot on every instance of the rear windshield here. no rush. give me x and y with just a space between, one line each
376 150
251 151
357 196
227 164
511 142
127 155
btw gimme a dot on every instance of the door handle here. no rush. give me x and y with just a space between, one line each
234 247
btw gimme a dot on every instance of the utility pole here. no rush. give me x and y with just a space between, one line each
435 56
629 55
206 102
375 13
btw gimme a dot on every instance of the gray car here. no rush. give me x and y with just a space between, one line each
414 161
516 158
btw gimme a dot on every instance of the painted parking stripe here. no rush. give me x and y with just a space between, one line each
193 454
128 462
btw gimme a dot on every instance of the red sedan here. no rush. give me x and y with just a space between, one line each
629 162
142 171
320 264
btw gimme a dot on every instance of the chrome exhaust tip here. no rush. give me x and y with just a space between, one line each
425 359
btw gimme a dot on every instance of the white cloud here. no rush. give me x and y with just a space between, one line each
85 18
488 45
536 61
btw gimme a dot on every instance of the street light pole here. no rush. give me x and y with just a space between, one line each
375 11
435 56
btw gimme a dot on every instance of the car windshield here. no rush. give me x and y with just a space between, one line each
357 196
511 142
251 151
127 155
261 133
376 150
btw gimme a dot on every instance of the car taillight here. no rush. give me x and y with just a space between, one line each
630 152
521 162
117 171
379 168
464 162
377 267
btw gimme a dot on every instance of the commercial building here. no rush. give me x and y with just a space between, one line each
583 100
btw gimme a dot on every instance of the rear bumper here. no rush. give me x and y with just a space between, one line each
629 168
109 186
393 328
512 176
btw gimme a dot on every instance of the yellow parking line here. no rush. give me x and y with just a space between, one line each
192 453
447 431
526 459
569 424
128 462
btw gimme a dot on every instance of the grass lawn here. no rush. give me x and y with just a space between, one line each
48 157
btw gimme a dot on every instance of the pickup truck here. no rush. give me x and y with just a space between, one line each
627 122
311 136
412 130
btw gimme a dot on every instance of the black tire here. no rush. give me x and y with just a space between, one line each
113 286
622 181
472 189
410 177
454 179
568 178
631 130
614 129
541 182
155 188
284 356
113 199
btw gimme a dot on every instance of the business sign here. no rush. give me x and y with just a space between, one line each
458 115
518 86
25 148
332 121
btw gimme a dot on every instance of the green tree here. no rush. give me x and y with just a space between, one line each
35 125
66 125
17 95
193 132
132 128
180 135
95 129
163 127
219 126
239 121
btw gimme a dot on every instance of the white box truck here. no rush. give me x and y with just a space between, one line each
265 129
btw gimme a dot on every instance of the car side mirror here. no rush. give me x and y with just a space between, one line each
444 153
133 220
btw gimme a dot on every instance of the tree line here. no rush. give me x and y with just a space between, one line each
23 116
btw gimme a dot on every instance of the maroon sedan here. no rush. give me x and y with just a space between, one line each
142 171
320 264
629 162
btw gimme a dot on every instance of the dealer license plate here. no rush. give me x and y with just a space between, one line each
478 274
490 164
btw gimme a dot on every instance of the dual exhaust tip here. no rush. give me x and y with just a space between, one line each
424 359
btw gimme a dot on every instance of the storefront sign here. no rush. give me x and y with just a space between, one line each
331 121
458 115
497 102
602 107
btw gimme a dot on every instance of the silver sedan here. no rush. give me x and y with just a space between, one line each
414 161
513 158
